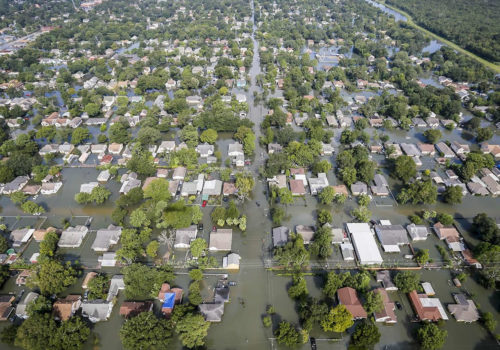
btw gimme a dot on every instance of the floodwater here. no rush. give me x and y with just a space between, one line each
257 287
397 16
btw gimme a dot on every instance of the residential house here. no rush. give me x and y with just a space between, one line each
384 277
115 148
105 238
326 149
349 298
63 309
364 243
107 259
417 232
280 236
299 174
21 236
450 235
387 314
21 308
129 181
229 189
427 309
445 150
359 188
97 310
221 240
179 173
166 147
231 261
15 185
130 309
72 237
88 277
464 310
88 187
307 233
297 187
212 188
391 237
212 312
426 149
278 181
491 185
103 176
50 187
6 307
316 185
184 236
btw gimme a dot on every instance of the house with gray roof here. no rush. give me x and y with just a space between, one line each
212 188
129 181
316 185
96 310
21 236
445 150
15 185
280 236
417 232
184 236
179 173
212 312
88 187
307 232
410 149
221 240
107 237
116 284
391 237
464 310
274 148
231 261
359 188
384 277
21 311
205 150
72 237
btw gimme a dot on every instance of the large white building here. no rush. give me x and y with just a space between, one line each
364 244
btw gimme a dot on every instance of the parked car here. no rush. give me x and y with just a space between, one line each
313 343
232 283
200 227
204 204
398 305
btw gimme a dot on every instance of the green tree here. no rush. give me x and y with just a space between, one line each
489 322
197 246
348 176
333 282
338 319
36 333
365 336
486 228
422 256
99 194
483 134
373 302
138 218
18 197
324 217
244 183
72 334
287 334
407 281
92 109
192 330
277 214
148 136
146 331
418 192
453 195
323 166
298 289
431 337
364 200
327 195
195 297
52 277
322 243
209 136
142 281
445 219
152 249
79 135
4 245
98 287
293 253
32 208
362 214
286 196
196 274
404 168
49 244
432 135
157 190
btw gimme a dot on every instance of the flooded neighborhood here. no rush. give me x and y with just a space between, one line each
244 175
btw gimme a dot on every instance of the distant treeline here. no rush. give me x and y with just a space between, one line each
473 25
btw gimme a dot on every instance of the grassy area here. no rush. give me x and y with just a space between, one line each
491 65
